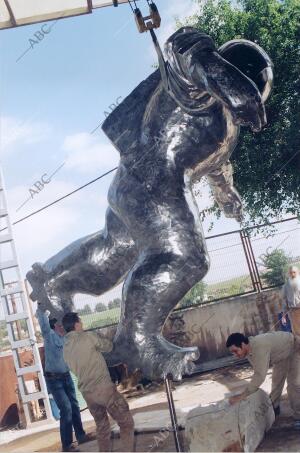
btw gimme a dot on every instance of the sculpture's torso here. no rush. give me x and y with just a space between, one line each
196 144
173 147
170 131
172 150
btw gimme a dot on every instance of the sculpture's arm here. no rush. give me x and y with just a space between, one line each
227 197
208 70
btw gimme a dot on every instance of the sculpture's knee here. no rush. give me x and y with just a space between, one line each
197 266
203 265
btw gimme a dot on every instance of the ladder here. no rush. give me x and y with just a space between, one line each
18 320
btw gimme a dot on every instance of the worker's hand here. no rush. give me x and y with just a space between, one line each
235 399
283 320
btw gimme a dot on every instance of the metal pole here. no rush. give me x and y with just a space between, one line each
248 261
246 242
172 412
255 268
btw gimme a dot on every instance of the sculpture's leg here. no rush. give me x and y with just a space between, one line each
172 259
91 265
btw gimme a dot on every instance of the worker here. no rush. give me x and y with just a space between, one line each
282 350
83 353
59 382
291 300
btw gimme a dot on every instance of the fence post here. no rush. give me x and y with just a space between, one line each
250 258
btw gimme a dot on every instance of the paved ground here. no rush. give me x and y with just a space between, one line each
152 417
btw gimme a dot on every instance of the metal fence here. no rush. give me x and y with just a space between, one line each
238 258
237 267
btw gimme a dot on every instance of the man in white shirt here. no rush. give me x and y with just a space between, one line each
291 299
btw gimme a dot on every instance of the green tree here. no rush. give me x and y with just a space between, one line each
235 288
266 164
86 310
276 264
195 296
115 303
100 306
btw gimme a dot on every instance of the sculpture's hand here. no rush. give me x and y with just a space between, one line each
227 197
251 113
37 278
230 203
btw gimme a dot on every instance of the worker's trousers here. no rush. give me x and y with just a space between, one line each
288 369
104 400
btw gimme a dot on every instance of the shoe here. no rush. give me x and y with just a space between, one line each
71 448
276 411
86 438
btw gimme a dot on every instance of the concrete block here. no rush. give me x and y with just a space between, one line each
221 427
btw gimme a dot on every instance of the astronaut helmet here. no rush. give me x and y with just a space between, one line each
252 61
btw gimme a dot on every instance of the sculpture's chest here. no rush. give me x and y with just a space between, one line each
201 142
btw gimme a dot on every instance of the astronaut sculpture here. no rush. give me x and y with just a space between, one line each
177 126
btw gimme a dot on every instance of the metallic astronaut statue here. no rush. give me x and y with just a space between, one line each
177 126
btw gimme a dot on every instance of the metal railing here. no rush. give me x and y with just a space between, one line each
236 268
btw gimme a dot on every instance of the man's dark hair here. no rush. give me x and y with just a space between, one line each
69 320
236 339
52 323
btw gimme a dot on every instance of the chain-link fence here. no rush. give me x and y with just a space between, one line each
276 251
246 261
241 262
229 273
100 311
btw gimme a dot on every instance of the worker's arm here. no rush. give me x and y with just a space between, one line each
43 322
207 70
102 343
260 361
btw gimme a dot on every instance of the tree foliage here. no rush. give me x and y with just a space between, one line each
86 310
266 164
100 306
276 264
194 297
115 303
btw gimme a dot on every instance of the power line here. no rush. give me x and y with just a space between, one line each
252 240
61 198
114 169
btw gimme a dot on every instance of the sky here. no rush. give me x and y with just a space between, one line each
53 94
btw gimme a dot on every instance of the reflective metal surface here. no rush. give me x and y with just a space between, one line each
169 135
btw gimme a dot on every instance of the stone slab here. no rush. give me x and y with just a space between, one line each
221 427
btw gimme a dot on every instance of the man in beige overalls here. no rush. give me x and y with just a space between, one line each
82 353
280 349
